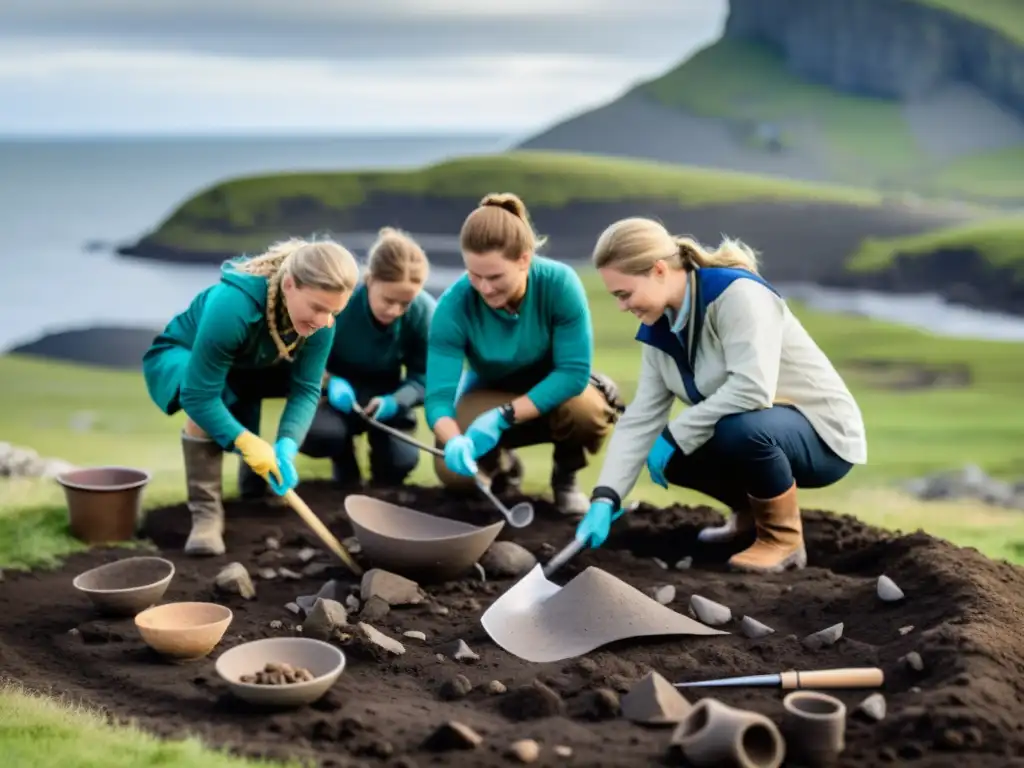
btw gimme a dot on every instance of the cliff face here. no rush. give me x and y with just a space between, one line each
884 48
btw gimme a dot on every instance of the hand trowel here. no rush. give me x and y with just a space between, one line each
577 545
852 677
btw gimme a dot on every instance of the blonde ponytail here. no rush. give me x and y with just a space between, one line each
729 253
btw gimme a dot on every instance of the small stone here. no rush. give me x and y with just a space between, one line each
664 594
507 559
289 574
74 632
873 707
390 587
378 639
267 573
887 590
532 702
414 634
754 629
496 687
453 735
683 565
352 545
457 687
711 613
276 624
824 638
653 700
235 578
660 563
481 574
914 661
524 750
271 543
439 610
352 603
458 650
914 689
907 629
324 619
292 608
306 554
374 609
563 751
315 570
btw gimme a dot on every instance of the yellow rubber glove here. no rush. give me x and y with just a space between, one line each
259 455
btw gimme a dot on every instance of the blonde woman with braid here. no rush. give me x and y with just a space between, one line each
264 330
767 412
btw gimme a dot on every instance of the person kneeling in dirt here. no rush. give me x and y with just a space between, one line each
522 323
767 411
219 358
383 328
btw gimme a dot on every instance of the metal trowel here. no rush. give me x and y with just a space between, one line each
574 547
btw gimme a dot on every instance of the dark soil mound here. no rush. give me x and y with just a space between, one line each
964 707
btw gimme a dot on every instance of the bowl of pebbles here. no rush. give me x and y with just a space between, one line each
281 671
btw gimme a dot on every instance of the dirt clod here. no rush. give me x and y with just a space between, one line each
534 701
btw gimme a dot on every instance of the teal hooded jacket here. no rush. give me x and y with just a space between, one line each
224 329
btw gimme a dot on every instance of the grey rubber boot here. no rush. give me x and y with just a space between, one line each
203 463
569 499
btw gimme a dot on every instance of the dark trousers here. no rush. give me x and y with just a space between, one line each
758 453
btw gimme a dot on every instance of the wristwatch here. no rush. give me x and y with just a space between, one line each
508 413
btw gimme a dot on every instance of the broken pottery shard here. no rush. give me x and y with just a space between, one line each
887 590
380 640
524 750
458 650
389 587
754 629
711 613
506 559
453 735
235 579
873 707
653 700
824 638
664 594
326 616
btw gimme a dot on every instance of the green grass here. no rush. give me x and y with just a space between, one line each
999 241
236 215
910 434
991 175
1005 16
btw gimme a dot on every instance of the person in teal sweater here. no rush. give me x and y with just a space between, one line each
264 330
383 329
522 323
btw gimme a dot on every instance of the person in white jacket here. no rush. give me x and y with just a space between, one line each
766 410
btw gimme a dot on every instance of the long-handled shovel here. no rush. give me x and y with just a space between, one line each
322 531
520 516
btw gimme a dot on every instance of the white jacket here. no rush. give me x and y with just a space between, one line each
752 352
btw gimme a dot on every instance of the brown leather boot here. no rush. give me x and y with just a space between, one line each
780 541
739 525
203 465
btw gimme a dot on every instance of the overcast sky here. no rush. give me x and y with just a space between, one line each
201 66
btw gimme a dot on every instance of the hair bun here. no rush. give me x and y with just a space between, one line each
508 201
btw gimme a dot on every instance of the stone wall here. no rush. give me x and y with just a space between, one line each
884 48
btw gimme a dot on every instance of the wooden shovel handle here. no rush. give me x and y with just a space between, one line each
852 677
321 530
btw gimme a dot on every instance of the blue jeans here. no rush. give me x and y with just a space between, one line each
760 454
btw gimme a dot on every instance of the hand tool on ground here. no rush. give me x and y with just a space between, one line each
520 516
573 548
851 677
321 530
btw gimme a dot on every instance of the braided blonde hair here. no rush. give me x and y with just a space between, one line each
322 265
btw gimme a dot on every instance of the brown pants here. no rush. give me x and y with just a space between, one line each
577 426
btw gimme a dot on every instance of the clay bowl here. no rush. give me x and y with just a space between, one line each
414 544
324 661
183 631
126 586
104 503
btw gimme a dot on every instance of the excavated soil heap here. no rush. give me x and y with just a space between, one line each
965 707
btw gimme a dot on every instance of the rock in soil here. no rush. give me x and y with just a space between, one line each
453 735
963 709
507 559
653 700
524 750
754 629
326 617
235 579
389 587
708 611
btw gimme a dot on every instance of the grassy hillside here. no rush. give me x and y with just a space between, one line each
1000 242
225 216
1006 16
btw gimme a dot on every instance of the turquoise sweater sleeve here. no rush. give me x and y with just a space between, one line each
446 351
414 353
221 335
572 344
304 395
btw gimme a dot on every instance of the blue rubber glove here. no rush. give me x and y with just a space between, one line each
593 528
458 456
285 450
340 394
658 458
485 431
386 408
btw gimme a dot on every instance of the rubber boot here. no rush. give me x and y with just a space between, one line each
739 525
779 545
203 465
569 499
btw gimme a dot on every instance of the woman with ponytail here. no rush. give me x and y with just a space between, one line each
264 330
767 412
522 324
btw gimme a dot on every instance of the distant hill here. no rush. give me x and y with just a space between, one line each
923 96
